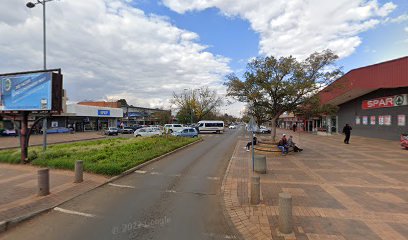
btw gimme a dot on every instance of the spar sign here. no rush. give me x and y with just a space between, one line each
384 102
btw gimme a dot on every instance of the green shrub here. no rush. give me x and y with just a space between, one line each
108 156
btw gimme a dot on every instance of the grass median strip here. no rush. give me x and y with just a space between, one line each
108 156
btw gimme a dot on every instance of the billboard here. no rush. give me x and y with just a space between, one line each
36 91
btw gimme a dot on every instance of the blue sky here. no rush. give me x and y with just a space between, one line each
146 50
233 37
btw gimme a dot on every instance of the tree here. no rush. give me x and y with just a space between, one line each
163 116
196 105
313 108
281 85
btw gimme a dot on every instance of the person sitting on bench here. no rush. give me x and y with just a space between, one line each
283 145
250 143
292 144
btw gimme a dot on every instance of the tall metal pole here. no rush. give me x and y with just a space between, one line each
44 37
45 68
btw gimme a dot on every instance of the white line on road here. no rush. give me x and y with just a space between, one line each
170 191
140 171
121 186
74 212
154 173
213 178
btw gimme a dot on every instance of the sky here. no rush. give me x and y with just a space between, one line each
144 50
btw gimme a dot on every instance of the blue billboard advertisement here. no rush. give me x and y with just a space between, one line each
26 92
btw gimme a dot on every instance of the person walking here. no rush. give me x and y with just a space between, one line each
347 131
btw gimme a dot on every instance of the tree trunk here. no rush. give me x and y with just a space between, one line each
273 130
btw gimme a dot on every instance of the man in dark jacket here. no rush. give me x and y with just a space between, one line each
347 131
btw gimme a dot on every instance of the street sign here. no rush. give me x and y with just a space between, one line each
252 126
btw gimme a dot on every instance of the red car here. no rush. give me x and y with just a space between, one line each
404 140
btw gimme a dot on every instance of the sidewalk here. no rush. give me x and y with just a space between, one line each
343 192
18 184
13 142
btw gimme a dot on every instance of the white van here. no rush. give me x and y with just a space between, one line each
211 126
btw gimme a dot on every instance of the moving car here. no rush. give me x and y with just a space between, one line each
186 132
173 127
232 127
111 131
211 126
404 140
147 132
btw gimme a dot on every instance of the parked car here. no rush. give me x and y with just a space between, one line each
126 130
173 127
111 131
186 132
8 132
263 129
57 130
147 132
232 127
404 140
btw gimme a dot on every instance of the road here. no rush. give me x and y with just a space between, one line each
178 197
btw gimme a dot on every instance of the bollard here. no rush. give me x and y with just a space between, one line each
260 164
43 182
79 171
285 213
255 190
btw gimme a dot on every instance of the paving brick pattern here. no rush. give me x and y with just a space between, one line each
18 189
339 191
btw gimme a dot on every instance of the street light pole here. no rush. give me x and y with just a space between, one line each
31 5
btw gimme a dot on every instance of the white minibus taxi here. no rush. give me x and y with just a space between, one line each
211 126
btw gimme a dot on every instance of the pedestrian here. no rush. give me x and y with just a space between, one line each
292 144
294 127
283 144
254 140
347 131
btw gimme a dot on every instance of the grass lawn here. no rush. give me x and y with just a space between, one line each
108 156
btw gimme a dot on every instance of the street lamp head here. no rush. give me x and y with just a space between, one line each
30 5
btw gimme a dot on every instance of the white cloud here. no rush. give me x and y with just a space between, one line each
108 50
299 27
399 19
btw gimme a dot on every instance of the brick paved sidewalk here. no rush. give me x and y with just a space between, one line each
18 184
13 142
357 191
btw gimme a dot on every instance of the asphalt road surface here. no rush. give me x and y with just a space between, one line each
177 197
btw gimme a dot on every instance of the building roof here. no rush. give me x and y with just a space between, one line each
360 81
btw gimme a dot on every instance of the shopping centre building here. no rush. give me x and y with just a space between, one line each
372 99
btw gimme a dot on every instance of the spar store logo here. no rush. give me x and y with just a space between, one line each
391 101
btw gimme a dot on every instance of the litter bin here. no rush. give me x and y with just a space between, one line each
404 140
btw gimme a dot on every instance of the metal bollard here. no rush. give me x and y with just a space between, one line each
255 190
43 182
285 213
260 164
79 171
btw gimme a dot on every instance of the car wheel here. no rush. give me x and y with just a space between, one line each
170 131
218 132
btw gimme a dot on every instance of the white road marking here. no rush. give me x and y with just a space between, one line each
121 186
213 178
140 171
154 173
74 212
170 191
175 175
